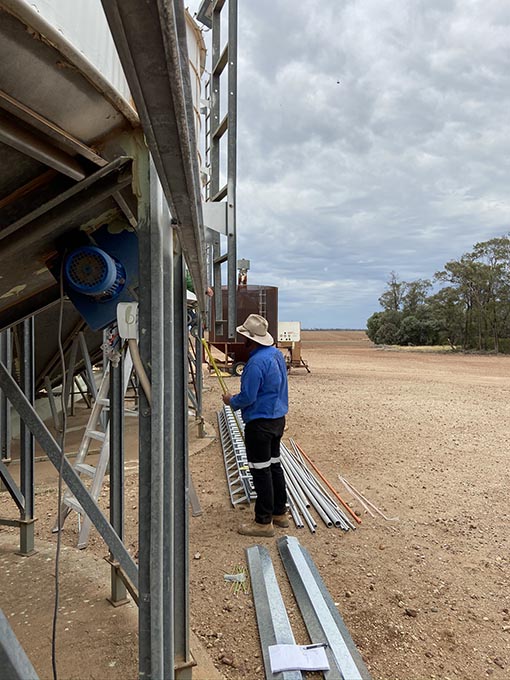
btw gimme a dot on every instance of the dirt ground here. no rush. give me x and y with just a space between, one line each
424 436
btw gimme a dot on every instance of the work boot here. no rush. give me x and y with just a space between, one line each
256 529
281 521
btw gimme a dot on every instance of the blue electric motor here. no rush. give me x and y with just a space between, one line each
91 271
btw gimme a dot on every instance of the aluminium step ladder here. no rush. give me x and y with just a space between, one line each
93 432
239 479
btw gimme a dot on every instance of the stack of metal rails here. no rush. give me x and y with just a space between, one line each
305 492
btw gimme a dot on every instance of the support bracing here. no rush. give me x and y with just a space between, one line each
118 587
5 407
36 426
27 444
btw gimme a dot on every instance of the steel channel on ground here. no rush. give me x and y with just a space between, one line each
272 620
322 620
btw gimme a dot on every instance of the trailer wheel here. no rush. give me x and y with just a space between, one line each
238 367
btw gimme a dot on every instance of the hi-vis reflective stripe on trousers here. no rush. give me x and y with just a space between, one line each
265 464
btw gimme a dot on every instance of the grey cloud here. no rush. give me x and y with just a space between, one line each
373 136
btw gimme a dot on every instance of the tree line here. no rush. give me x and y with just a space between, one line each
470 309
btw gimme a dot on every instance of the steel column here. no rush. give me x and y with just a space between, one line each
27 448
118 588
181 473
170 453
199 376
155 558
5 406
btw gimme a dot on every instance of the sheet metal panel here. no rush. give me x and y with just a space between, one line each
45 72
84 24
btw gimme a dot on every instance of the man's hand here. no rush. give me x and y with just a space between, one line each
226 399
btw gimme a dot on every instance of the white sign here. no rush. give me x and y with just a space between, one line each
289 331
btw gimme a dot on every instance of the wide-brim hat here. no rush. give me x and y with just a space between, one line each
255 328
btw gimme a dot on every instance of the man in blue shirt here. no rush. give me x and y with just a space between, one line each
263 401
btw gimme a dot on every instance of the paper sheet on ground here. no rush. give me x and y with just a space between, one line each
297 658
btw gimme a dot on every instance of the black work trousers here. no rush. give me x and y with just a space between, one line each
262 438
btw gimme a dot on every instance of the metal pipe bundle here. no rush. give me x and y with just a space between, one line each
305 491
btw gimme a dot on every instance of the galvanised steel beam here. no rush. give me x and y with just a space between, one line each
14 662
27 444
199 375
5 407
180 479
156 557
25 308
36 426
49 129
321 617
33 146
151 41
272 620
7 479
66 207
116 423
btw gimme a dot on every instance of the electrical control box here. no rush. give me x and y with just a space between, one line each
289 331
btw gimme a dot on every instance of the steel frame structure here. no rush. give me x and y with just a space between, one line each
217 126
168 218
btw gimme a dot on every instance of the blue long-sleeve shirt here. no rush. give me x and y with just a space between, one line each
264 388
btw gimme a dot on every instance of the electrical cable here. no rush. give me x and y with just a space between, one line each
140 369
60 475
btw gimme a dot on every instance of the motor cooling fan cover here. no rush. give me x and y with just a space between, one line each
93 272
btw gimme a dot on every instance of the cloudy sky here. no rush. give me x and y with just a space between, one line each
372 137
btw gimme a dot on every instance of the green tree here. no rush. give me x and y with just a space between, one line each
415 295
391 299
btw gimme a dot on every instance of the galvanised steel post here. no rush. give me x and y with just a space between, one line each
27 442
232 168
169 447
155 546
180 477
5 406
199 378
118 588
